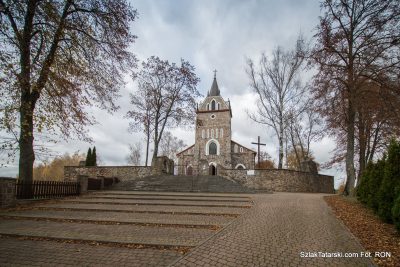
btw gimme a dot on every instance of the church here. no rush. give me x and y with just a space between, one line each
214 147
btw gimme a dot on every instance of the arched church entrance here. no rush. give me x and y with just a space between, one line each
189 170
212 170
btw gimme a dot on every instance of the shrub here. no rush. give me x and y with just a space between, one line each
391 182
374 183
363 190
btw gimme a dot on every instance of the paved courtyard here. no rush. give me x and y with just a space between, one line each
176 229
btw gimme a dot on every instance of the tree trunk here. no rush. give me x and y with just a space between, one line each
362 148
350 172
26 155
147 146
280 163
156 142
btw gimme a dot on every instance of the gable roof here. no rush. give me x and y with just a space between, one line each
185 150
244 146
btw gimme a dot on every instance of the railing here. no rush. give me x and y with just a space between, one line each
46 189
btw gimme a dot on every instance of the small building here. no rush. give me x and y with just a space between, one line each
214 147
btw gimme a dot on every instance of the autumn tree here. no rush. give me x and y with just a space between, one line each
279 90
357 44
134 156
170 90
56 59
53 170
266 161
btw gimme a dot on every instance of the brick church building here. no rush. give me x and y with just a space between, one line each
214 147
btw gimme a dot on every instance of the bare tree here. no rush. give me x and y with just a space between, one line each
170 90
56 59
170 145
142 115
302 129
134 157
278 88
357 42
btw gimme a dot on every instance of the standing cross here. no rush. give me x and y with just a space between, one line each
258 144
215 73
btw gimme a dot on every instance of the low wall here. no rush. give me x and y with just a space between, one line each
124 173
7 192
282 180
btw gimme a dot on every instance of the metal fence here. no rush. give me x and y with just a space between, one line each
46 189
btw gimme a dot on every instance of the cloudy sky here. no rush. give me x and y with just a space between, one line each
217 34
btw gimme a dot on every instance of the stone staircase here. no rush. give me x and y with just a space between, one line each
182 183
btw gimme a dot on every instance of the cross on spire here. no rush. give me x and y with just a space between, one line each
215 74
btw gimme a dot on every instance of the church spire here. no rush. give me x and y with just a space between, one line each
214 91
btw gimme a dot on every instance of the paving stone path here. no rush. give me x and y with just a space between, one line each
273 232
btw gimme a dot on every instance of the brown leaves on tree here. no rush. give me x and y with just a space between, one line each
356 49
59 58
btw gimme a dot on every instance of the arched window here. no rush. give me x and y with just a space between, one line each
203 133
208 106
222 132
213 105
216 133
212 148
212 133
218 106
240 167
235 148
241 149
208 133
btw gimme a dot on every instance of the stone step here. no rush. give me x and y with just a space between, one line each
183 184
123 217
147 208
124 234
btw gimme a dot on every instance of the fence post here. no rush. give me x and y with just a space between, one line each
83 182
7 192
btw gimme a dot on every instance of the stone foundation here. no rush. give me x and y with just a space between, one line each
282 180
7 192
123 173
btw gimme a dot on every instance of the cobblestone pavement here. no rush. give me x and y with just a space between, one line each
148 208
275 232
130 234
51 253
162 202
123 217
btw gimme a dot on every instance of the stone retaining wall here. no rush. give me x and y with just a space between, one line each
71 173
281 180
7 192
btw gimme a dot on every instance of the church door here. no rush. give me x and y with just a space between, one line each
189 170
213 170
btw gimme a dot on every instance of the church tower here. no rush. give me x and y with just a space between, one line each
213 132
214 147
